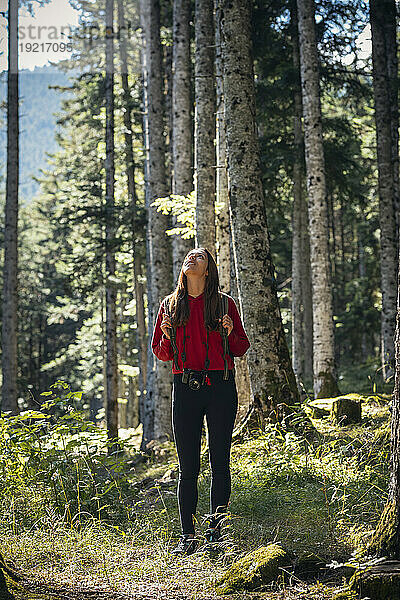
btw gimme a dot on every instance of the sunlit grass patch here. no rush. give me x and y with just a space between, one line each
321 497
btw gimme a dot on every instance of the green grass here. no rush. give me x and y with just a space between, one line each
320 499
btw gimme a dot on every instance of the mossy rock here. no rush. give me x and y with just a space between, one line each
320 408
380 582
346 410
253 570
348 406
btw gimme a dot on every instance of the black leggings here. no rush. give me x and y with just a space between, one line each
219 403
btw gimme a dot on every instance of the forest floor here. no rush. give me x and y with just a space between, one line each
320 501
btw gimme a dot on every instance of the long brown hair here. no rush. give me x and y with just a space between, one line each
179 301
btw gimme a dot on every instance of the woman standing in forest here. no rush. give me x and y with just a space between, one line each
189 331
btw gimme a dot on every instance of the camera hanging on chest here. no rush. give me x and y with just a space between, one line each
197 379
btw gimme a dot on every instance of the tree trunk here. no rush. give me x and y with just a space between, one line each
242 375
122 360
103 347
111 293
381 11
132 196
204 149
362 274
10 269
386 539
306 291
323 327
273 384
342 255
166 58
226 262
41 351
331 211
182 122
222 198
141 334
157 410
297 300
390 29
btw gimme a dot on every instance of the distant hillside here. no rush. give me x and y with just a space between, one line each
37 124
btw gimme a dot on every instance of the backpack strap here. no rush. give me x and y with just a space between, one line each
224 306
173 336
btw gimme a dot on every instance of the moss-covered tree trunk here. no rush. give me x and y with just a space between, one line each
182 122
324 372
386 539
156 410
204 125
273 384
381 14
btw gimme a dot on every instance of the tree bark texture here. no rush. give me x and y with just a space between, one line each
182 122
306 291
111 292
386 538
157 410
242 375
323 326
272 379
222 198
103 340
204 132
379 13
298 206
390 30
10 269
130 174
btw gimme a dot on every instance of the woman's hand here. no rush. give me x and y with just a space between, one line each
227 323
166 325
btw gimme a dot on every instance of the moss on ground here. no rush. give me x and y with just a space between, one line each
253 570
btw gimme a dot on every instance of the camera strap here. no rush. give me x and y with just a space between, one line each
225 345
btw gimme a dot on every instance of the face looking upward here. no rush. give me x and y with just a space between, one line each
196 263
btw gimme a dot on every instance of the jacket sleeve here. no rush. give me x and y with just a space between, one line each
238 340
160 344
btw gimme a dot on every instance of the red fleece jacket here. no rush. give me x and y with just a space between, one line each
196 336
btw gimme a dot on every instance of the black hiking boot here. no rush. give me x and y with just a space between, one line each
214 541
186 545
212 535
